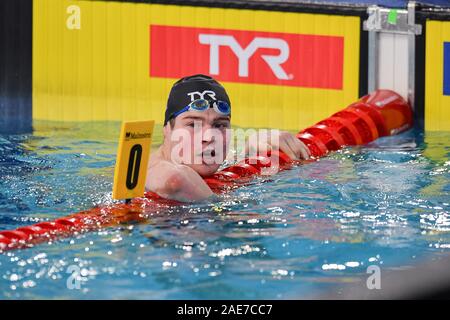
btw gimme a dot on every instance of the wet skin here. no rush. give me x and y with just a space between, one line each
196 146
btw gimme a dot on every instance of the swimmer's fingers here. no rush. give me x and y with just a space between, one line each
278 140
301 149
287 146
295 147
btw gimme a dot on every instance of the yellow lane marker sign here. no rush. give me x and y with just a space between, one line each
132 159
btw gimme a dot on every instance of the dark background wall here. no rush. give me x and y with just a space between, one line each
15 65
359 3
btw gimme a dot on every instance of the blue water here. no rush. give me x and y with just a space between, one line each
306 231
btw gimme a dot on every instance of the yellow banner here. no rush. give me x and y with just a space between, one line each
91 61
437 76
132 159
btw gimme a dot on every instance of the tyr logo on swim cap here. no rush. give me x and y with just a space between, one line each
191 88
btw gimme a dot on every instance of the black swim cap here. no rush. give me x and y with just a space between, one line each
191 88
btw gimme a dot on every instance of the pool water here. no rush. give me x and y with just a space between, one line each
303 232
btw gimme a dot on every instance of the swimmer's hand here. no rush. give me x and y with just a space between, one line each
277 140
177 182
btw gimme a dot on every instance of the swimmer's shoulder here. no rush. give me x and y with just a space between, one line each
156 158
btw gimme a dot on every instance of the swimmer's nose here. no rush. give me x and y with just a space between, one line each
208 135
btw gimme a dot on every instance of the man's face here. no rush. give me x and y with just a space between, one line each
199 140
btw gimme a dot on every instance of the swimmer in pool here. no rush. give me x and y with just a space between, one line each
196 140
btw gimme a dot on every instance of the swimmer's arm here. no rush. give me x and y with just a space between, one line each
177 182
278 140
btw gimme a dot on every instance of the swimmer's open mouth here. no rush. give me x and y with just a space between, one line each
208 156
209 153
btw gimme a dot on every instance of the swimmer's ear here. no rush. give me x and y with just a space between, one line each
166 130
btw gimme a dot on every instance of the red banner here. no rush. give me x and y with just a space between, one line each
299 60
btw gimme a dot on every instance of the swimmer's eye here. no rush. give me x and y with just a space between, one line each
223 125
190 124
